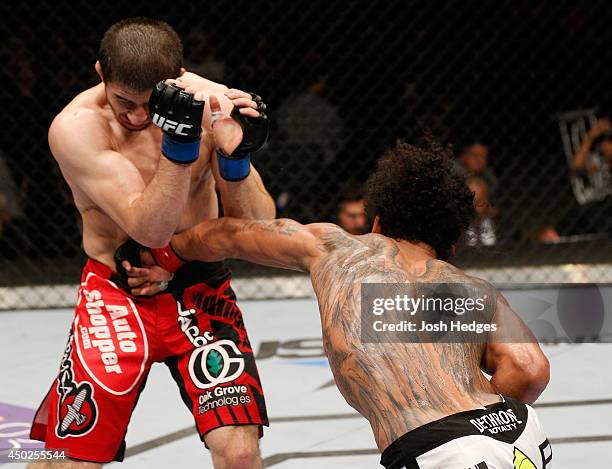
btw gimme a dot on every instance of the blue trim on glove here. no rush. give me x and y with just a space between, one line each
234 169
179 151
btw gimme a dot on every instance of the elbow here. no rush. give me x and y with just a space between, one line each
523 377
537 376
532 378
151 238
152 242
157 243
270 209
228 245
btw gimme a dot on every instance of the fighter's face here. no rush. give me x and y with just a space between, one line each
131 108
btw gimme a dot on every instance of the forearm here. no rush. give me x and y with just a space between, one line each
155 213
513 357
521 371
158 208
246 199
204 242
277 243
518 370
580 158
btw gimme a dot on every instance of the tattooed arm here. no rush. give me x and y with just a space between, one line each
514 358
278 243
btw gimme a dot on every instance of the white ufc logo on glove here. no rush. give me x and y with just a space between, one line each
167 125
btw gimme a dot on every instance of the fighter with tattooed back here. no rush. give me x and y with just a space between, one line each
428 402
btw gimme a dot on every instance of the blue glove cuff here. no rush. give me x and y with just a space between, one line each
233 169
179 151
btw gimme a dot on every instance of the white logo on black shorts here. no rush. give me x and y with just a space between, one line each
216 363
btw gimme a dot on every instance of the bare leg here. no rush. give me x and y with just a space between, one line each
235 447
69 464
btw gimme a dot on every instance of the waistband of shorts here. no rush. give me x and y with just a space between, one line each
96 267
422 439
214 274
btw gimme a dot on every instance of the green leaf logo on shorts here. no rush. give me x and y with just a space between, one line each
521 461
214 363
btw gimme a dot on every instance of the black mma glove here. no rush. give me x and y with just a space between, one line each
131 251
255 132
180 117
128 251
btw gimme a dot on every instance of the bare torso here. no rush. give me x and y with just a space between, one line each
101 235
396 386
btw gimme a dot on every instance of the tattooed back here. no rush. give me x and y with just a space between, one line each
396 386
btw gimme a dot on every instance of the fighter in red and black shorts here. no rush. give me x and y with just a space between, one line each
194 327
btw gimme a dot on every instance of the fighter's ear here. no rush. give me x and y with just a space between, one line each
376 226
98 68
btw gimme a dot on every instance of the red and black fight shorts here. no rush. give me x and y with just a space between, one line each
196 329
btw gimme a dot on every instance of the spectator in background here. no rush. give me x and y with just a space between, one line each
12 220
473 161
201 57
309 121
17 58
597 140
10 196
351 214
308 139
593 163
5 215
69 77
482 231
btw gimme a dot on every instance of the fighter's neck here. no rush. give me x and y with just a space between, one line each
416 251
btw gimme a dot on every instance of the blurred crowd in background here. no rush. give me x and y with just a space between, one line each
342 83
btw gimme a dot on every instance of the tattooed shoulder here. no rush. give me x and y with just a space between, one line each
336 240
282 226
353 259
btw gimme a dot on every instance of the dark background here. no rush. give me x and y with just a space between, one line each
468 71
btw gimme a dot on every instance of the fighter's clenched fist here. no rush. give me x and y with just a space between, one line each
237 121
179 115
247 121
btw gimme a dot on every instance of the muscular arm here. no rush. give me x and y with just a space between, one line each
244 199
514 358
148 213
277 243
580 160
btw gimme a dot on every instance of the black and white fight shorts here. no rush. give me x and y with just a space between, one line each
504 435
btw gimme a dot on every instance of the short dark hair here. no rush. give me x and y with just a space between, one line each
419 196
351 193
139 52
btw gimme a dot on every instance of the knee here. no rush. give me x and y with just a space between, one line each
238 456
243 458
